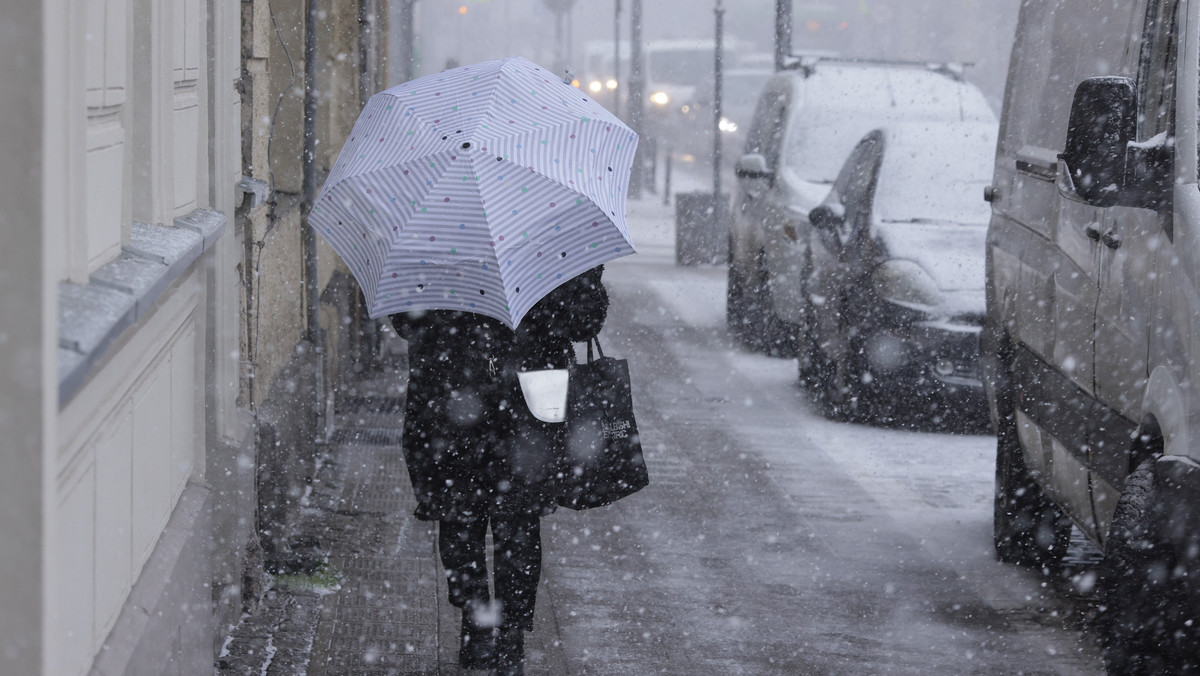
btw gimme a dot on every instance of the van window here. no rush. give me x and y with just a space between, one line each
1156 70
1058 45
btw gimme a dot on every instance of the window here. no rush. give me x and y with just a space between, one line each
187 33
1156 71
106 62
859 181
766 133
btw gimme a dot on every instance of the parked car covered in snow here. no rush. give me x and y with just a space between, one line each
807 121
895 272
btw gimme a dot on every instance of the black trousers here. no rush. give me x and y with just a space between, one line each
517 550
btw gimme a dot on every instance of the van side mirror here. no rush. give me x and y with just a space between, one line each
753 166
827 217
1104 164
1102 123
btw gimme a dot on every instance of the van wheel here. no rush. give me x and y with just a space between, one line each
1144 619
1027 527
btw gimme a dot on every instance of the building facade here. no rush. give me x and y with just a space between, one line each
153 322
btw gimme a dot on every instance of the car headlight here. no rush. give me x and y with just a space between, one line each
906 284
594 86
727 124
611 84
660 98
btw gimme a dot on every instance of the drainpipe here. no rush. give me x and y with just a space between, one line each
309 164
719 35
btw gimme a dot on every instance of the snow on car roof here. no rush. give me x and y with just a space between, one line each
838 103
842 86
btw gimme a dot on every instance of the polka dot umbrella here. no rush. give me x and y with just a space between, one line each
481 188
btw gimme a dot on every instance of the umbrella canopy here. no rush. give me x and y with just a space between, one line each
481 188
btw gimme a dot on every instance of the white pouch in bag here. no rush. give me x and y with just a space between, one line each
545 393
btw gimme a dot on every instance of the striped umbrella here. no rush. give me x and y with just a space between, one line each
481 188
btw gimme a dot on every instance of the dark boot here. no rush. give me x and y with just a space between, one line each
476 643
510 651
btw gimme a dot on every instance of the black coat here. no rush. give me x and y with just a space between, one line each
470 444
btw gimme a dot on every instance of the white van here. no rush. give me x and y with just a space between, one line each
1091 345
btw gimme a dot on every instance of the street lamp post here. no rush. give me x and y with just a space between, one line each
783 32
407 66
718 38
561 9
616 69
634 93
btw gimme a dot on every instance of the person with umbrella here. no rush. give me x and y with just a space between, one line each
476 208
475 457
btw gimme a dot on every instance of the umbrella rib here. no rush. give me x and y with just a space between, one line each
556 125
495 256
412 110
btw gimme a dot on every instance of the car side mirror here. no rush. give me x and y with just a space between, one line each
1102 164
827 217
753 166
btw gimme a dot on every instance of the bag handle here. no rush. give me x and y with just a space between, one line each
596 340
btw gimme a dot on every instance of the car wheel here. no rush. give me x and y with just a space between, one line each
1027 527
736 318
749 314
804 340
812 366
844 396
776 337
1145 624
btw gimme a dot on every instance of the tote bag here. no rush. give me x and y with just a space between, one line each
602 460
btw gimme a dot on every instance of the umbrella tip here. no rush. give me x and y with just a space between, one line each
568 76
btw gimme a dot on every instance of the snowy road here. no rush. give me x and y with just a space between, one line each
773 541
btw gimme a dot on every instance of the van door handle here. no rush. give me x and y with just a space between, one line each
1111 239
1092 230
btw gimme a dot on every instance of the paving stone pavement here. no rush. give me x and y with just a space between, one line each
377 604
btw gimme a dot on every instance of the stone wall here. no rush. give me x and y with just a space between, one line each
288 382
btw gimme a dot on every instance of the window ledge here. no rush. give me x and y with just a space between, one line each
92 316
